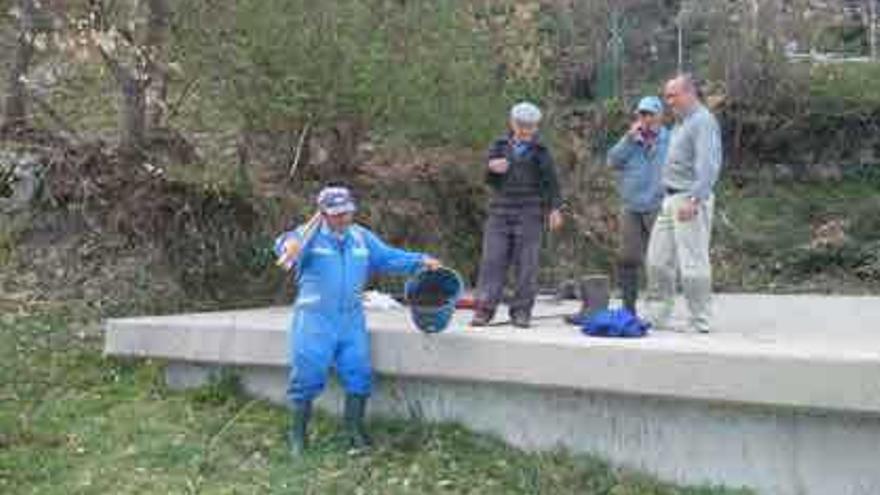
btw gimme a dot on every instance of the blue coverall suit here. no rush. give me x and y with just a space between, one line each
328 323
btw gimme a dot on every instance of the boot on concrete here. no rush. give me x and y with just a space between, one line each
629 287
594 291
481 319
521 318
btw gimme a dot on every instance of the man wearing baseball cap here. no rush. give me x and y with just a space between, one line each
525 193
334 258
638 158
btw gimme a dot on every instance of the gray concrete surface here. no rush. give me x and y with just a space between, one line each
784 397
795 351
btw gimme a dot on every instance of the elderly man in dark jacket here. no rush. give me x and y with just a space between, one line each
525 191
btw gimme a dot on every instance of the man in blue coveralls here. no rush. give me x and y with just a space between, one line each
333 258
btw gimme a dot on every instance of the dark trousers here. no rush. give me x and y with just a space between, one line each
511 237
635 232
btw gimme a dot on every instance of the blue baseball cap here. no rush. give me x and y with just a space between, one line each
650 104
336 201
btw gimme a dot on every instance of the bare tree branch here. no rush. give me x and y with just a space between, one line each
15 108
184 94
156 47
118 71
299 147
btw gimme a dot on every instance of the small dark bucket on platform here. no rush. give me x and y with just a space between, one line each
431 296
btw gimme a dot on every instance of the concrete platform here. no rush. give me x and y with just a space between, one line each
783 397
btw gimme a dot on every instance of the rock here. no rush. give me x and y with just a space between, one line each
21 173
829 234
318 154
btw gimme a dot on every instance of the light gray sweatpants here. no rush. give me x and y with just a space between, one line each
681 247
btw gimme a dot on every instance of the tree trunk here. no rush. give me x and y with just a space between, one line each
132 111
156 44
132 115
16 108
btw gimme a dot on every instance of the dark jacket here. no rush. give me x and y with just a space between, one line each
530 180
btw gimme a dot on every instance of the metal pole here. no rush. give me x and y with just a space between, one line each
616 53
872 5
756 12
680 47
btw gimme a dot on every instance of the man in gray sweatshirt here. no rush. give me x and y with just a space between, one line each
638 158
680 238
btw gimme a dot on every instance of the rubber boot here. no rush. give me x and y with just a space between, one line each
629 287
594 297
581 315
302 413
355 407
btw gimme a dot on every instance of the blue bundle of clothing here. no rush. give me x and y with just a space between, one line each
614 323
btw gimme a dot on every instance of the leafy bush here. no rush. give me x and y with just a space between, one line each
420 70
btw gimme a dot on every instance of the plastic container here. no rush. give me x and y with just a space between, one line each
432 297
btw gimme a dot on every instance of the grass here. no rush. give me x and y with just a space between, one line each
73 421
763 235
846 85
